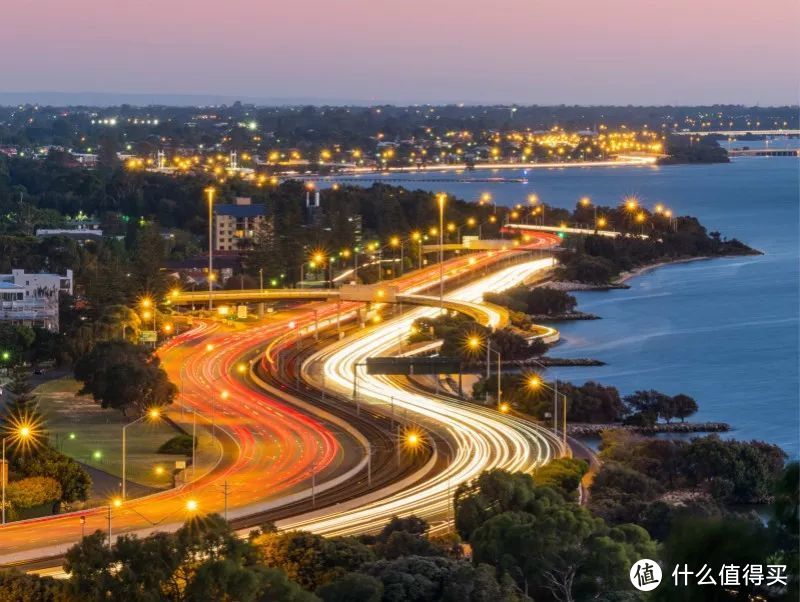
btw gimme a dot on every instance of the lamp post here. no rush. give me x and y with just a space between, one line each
535 382
210 192
396 241
441 199
417 237
22 433
587 202
116 503
475 344
153 414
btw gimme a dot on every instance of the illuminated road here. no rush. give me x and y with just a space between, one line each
482 437
270 448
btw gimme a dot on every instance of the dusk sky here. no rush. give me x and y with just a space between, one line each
524 51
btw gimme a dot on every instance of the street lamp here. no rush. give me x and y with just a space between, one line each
534 382
395 242
417 237
475 343
441 199
115 503
152 414
22 432
587 202
210 193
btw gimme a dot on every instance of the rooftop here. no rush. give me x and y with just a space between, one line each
240 210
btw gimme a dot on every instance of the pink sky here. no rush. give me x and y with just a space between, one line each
526 51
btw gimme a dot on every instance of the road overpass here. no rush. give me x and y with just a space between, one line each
373 294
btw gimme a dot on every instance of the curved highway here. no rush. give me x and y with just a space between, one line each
269 449
480 438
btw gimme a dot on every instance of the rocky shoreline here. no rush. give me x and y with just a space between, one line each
543 360
594 430
572 285
565 317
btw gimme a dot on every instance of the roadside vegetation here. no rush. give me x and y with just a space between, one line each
596 259
590 402
462 337
529 540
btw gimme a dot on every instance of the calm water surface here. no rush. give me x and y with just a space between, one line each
724 331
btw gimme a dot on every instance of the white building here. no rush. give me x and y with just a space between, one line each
32 299
235 223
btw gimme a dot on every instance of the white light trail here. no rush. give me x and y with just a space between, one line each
484 438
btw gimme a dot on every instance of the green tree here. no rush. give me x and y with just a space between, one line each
491 493
352 586
31 492
714 543
123 376
562 474
620 494
435 579
44 461
683 406
16 586
148 259
311 560
555 548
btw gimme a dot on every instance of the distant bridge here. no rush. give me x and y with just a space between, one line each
737 133
765 152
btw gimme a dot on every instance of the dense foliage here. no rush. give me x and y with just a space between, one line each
537 300
655 482
590 402
464 338
598 259
123 376
553 548
684 149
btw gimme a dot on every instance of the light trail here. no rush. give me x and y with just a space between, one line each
484 438
271 444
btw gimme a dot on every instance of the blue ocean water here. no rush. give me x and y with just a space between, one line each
724 331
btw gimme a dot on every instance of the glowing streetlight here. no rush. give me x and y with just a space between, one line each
210 191
21 432
151 414
474 343
441 199
534 382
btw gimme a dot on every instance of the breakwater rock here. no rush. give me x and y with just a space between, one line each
593 430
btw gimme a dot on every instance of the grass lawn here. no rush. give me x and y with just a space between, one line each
83 430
